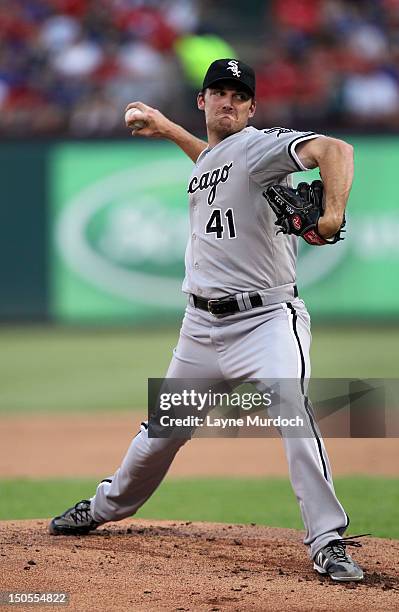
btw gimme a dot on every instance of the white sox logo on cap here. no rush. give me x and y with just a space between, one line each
233 66
229 69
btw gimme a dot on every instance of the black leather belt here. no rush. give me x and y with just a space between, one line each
229 305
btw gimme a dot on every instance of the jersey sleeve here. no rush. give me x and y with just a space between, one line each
272 155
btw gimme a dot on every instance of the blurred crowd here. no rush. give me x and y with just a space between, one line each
69 67
331 62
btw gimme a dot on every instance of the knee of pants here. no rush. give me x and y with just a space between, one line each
162 446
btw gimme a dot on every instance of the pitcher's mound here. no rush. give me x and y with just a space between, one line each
163 565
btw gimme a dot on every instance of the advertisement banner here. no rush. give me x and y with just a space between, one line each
358 276
119 226
119 229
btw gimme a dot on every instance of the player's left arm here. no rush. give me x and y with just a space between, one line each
334 158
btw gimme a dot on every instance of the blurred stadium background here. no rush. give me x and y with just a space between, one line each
94 224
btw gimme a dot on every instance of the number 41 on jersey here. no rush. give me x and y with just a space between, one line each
219 223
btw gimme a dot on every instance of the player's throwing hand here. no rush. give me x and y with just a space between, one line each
147 121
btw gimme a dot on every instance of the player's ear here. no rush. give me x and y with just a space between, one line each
252 108
201 100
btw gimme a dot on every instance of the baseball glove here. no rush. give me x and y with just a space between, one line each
298 211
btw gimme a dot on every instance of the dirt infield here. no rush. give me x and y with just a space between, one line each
36 446
147 565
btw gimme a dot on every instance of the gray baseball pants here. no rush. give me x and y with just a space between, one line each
270 342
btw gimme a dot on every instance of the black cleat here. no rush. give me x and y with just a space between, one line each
75 521
333 560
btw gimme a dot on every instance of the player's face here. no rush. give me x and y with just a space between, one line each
227 109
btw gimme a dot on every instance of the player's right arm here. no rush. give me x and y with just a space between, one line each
159 126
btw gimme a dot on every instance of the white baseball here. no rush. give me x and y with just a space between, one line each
135 118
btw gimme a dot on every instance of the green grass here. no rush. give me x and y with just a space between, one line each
371 503
59 369
49 369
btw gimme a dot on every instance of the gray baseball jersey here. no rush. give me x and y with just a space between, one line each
234 246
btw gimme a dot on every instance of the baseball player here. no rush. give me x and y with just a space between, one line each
244 319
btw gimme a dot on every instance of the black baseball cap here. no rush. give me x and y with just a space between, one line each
232 70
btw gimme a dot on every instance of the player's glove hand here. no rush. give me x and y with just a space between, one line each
298 211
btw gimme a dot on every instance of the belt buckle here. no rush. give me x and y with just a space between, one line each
210 303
